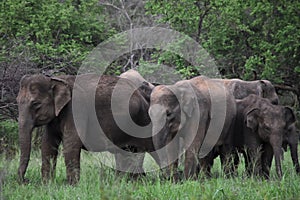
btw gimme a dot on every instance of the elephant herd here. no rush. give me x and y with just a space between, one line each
201 118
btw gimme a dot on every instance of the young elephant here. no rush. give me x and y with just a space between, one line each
75 122
197 110
261 127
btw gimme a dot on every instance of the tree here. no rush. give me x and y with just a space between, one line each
45 36
249 40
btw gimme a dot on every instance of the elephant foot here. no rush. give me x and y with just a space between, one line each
73 180
298 170
23 181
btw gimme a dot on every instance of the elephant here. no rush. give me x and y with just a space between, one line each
50 101
190 109
241 89
261 127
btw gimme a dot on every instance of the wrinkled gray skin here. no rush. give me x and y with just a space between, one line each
185 123
239 89
262 128
47 101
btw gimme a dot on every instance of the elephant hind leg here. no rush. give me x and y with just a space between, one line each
229 160
50 143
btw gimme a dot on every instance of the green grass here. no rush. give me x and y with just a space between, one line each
100 182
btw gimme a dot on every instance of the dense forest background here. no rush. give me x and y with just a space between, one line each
248 39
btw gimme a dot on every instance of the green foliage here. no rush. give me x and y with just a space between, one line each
242 36
54 30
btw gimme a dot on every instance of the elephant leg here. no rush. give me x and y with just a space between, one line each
247 161
50 143
191 160
254 164
236 161
253 155
206 164
172 158
294 155
72 147
228 160
267 157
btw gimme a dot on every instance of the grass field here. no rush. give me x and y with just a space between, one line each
100 182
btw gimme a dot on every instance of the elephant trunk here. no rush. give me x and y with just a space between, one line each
159 138
25 132
159 141
276 143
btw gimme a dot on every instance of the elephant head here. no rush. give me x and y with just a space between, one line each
40 100
172 107
270 122
167 102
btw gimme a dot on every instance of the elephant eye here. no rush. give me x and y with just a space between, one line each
35 104
168 113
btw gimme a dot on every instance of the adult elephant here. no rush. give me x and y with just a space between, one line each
241 89
50 101
261 127
196 110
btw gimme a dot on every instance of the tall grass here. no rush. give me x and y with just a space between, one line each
100 182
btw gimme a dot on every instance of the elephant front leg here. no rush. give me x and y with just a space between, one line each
129 162
190 164
50 144
72 148
294 155
267 157
191 160
254 162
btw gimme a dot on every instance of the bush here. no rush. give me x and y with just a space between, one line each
8 138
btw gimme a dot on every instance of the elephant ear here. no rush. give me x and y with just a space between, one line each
187 99
251 119
61 94
289 116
